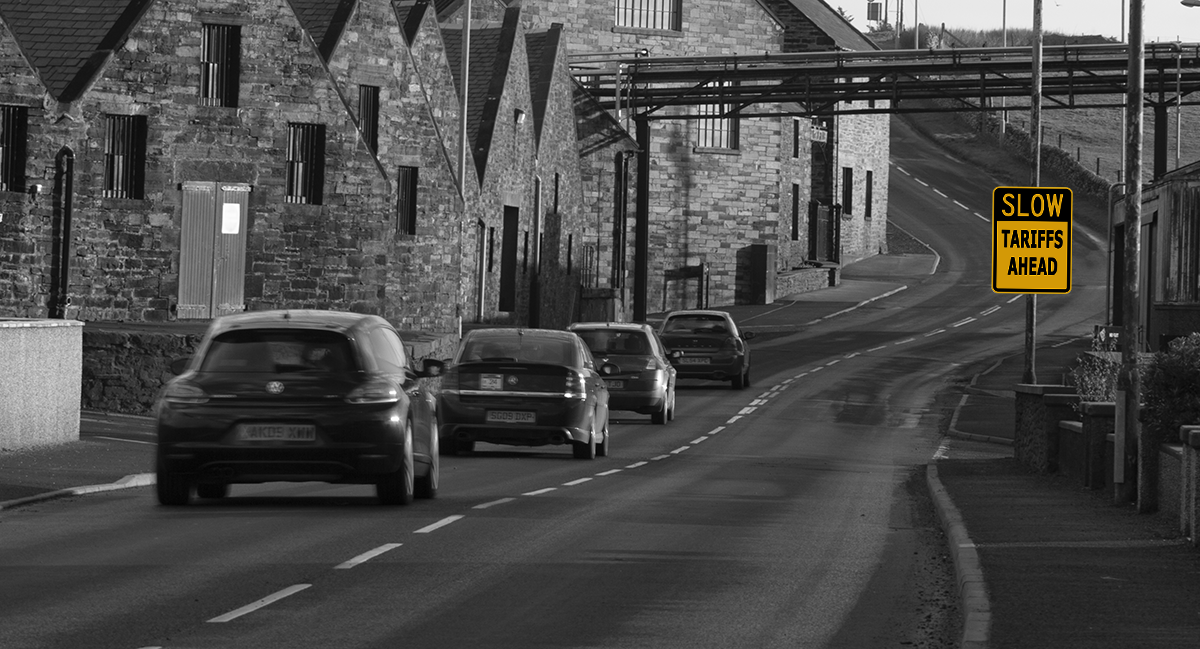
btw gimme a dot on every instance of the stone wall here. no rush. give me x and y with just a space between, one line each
804 280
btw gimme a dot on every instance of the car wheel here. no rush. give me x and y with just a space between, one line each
739 382
585 450
212 490
427 485
660 417
172 488
746 378
605 447
671 411
397 488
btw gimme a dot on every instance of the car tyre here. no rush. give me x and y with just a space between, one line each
585 450
604 448
739 382
211 490
671 411
660 417
746 378
427 485
397 488
173 489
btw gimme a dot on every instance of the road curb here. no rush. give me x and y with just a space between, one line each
128 482
972 589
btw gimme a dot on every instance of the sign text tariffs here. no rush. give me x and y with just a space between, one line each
1031 239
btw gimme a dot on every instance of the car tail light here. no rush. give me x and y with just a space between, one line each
450 381
651 364
732 344
576 386
185 392
374 391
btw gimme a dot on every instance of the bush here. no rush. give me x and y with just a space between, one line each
1171 389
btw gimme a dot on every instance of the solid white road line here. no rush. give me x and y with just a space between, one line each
442 523
269 599
494 503
366 556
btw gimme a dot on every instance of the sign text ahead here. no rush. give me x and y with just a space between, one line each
1031 239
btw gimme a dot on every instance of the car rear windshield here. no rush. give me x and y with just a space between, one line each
708 324
524 350
278 351
612 342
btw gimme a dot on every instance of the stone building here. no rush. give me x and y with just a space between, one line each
179 159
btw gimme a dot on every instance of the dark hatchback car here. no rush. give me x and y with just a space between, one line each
712 346
524 387
297 396
644 381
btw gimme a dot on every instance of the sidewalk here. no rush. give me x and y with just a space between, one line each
1040 562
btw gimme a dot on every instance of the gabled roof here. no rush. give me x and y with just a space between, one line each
324 20
828 20
410 13
541 49
68 42
491 51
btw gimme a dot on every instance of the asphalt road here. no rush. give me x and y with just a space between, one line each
791 513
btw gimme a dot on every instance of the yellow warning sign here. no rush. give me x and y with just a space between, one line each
1031 239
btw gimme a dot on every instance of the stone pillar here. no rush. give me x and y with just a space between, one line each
1189 484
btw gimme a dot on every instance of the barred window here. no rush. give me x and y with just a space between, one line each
847 190
220 65
14 129
305 163
795 212
368 115
650 14
716 132
406 200
125 156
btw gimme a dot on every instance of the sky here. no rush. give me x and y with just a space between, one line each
1163 20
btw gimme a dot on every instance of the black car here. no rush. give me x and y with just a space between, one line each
645 380
525 387
297 396
712 346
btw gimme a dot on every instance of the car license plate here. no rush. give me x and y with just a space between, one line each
614 384
694 360
277 433
491 381
511 417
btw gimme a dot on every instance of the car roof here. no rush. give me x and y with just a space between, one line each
517 332
341 321
616 326
724 314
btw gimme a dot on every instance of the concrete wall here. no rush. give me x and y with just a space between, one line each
39 384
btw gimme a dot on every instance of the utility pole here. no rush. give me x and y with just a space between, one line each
1135 442
1035 128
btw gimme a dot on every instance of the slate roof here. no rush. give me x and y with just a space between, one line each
831 22
541 48
491 49
324 20
67 42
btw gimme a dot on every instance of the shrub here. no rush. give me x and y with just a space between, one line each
1094 375
1171 389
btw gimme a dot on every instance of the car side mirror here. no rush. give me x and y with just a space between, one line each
178 365
747 335
431 367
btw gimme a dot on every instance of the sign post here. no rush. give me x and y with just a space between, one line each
1031 239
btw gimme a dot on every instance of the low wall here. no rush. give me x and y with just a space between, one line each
125 366
803 280
1035 431
39 382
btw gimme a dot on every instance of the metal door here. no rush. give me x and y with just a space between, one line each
212 254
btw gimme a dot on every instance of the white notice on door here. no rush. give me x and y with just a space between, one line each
231 218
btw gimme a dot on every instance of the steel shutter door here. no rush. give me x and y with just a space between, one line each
196 250
229 259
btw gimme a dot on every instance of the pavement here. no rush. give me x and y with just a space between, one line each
1039 561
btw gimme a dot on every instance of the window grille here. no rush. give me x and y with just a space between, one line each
368 115
406 200
125 156
305 163
716 132
14 123
588 271
650 14
220 65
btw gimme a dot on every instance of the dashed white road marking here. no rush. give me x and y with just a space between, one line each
852 355
610 471
963 322
269 599
636 465
575 482
920 181
990 311
494 503
833 362
680 450
747 410
716 430
940 193
659 457
733 419
875 349
699 439
1014 299
934 333
962 206
905 341
366 556
440 524
539 492
816 369
981 217
902 170
121 439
